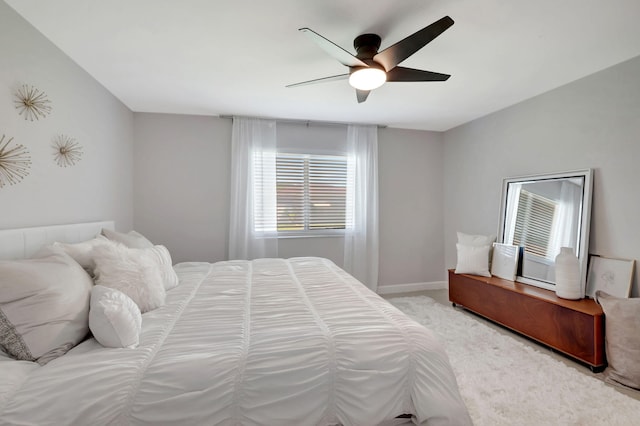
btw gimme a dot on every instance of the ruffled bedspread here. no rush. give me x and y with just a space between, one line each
263 342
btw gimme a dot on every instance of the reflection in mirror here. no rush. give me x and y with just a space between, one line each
542 214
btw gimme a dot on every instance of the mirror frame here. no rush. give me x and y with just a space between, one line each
584 226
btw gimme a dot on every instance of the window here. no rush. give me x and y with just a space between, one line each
311 192
534 222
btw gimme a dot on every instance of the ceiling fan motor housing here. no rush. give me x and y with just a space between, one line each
367 45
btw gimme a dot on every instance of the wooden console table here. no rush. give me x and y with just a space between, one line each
573 327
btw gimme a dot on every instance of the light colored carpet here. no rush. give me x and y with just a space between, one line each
505 382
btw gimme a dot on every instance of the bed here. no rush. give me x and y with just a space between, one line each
265 342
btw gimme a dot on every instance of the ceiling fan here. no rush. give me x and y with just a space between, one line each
370 69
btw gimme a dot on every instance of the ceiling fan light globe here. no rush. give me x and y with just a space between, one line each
367 78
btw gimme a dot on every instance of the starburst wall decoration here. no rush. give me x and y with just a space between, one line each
67 151
15 162
32 102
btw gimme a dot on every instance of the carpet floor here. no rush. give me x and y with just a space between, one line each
505 382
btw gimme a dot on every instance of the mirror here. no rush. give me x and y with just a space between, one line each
542 214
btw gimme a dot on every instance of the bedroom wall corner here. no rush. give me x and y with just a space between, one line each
410 202
99 185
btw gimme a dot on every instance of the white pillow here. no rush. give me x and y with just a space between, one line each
475 240
131 239
165 265
44 306
134 272
135 240
82 252
114 319
473 260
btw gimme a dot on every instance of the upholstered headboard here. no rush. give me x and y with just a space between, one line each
25 242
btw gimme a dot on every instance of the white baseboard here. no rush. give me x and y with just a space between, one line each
408 288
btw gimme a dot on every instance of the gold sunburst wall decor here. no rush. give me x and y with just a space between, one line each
15 162
67 151
32 102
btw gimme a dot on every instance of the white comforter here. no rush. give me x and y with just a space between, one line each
266 342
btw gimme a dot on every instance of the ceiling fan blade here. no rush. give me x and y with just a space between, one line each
410 74
321 80
337 52
362 95
393 55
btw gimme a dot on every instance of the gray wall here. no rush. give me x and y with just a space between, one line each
590 123
181 184
182 193
411 214
99 186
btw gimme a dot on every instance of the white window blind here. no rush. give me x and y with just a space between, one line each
534 222
311 192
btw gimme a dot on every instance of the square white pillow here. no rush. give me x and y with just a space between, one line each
131 239
135 272
114 319
473 260
44 306
477 241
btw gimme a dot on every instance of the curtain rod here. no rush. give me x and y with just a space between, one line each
307 122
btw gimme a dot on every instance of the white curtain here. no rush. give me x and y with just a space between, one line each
511 212
567 218
252 220
361 234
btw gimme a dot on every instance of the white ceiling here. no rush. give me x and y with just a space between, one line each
215 57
